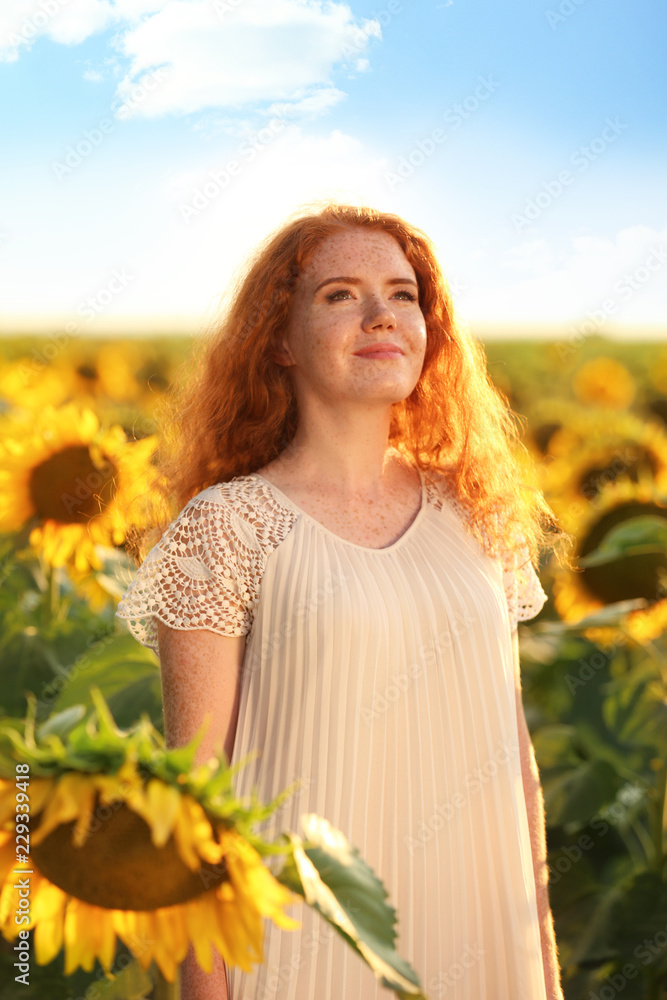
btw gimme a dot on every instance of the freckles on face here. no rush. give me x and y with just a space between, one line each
357 289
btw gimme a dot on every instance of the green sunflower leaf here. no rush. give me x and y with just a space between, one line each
637 536
61 723
332 877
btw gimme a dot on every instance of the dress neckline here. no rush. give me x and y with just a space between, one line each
364 548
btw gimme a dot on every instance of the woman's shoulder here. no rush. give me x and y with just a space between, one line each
235 491
242 509
440 491
443 496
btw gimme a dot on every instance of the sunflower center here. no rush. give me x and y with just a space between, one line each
544 433
629 577
69 487
630 459
119 868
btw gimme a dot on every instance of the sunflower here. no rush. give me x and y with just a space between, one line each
174 861
107 585
114 376
158 859
108 372
554 427
31 383
603 450
580 593
75 482
606 382
120 373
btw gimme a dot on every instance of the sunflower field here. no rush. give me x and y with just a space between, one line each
80 421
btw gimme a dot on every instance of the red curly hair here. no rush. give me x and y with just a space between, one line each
237 409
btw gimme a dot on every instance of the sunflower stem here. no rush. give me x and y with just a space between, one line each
54 592
656 814
46 588
162 989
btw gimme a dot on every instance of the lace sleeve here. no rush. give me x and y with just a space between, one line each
198 576
524 592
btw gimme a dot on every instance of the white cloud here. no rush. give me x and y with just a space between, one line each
66 21
622 279
188 268
208 53
181 268
535 256
308 107
258 51
209 125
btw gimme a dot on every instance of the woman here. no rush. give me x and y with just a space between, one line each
341 589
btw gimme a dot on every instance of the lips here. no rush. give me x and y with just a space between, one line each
383 348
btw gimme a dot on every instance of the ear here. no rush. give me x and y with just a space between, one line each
280 353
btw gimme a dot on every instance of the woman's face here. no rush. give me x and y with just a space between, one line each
357 290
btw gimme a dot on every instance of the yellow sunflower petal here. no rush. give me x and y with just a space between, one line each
40 791
64 805
49 909
86 805
254 881
242 949
194 835
199 919
168 943
137 931
9 901
7 854
58 468
162 806
78 949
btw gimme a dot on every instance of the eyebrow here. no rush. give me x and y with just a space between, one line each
357 281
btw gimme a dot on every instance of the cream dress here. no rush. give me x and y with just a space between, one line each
384 679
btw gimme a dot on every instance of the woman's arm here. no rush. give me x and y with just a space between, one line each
200 673
536 823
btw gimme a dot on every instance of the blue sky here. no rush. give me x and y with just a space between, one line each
526 138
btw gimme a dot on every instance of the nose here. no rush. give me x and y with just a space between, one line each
378 314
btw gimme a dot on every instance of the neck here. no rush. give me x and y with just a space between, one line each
344 451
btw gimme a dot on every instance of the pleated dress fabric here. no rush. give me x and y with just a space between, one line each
384 680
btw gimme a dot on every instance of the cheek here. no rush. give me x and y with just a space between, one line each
419 335
324 339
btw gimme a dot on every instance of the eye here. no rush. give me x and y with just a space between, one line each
344 293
